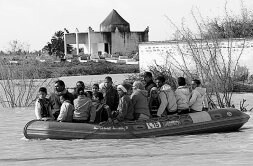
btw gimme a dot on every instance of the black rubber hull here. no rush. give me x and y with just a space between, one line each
222 120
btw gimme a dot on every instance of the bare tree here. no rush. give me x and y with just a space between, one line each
18 47
209 55
19 92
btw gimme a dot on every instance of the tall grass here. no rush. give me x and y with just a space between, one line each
17 88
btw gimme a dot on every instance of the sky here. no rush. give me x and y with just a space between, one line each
34 22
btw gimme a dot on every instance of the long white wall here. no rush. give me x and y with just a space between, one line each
151 53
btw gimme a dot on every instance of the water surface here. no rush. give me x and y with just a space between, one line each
235 148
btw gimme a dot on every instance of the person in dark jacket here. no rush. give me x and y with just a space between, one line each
42 105
154 101
148 78
111 97
103 112
89 94
55 97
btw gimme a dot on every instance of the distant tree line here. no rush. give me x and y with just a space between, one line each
16 47
230 26
233 28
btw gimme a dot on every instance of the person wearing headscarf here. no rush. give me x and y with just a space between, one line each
139 99
101 86
125 108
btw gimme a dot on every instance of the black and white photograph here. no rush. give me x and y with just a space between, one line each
126 82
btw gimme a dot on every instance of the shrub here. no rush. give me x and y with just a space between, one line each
19 92
241 73
201 57
38 70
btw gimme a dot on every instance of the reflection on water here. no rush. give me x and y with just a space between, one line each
235 148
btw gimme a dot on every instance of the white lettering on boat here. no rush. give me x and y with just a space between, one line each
154 125
229 113
171 123
110 128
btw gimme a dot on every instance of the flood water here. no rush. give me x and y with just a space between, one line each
235 148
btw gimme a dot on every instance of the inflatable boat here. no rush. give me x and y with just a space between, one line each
219 120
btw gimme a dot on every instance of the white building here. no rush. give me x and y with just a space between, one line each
114 37
161 53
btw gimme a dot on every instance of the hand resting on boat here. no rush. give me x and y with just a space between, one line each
47 119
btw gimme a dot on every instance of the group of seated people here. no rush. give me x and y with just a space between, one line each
125 102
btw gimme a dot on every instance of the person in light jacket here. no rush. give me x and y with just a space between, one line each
66 110
198 98
84 110
168 103
182 95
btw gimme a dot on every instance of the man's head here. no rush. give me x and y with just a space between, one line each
42 92
147 77
108 82
160 80
80 84
59 85
195 83
181 81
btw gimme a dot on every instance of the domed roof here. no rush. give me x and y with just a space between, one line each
114 20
